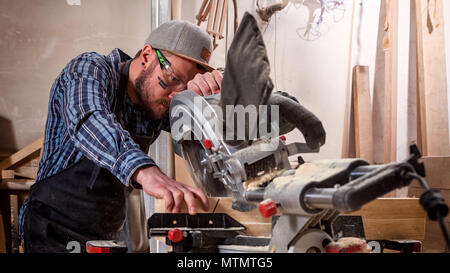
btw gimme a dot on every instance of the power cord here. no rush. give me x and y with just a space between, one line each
434 204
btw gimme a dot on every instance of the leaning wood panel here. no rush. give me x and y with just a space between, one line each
362 113
390 46
432 78
437 170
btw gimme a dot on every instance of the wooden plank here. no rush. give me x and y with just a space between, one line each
345 153
362 113
258 229
392 208
390 46
416 191
434 241
432 78
393 218
22 154
394 229
7 174
256 224
26 172
437 171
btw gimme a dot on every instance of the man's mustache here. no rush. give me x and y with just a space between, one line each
163 102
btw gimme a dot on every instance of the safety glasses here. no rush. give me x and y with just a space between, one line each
170 78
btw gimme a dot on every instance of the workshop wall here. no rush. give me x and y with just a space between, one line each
318 72
39 37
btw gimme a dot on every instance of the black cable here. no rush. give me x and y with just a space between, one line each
444 228
434 204
419 178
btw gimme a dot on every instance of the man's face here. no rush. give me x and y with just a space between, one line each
151 92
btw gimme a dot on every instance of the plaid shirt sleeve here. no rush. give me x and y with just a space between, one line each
92 125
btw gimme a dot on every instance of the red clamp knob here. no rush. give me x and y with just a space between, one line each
283 138
207 143
267 208
175 235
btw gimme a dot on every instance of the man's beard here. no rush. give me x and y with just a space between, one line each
141 84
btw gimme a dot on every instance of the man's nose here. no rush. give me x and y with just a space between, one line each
173 93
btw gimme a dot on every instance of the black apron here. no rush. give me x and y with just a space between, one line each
82 202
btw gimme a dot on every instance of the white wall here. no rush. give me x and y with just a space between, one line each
39 37
318 72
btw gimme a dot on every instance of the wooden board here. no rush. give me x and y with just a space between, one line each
7 174
22 154
362 113
393 219
432 79
390 46
437 170
346 142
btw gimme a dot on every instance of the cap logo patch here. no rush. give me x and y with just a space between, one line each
205 54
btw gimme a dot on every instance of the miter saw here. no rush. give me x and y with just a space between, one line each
254 170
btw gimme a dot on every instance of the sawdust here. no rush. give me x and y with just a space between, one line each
356 244
257 182
304 170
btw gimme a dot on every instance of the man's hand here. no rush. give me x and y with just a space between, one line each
206 84
157 184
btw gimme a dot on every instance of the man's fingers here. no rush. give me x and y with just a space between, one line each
200 194
190 200
218 78
194 88
206 84
204 87
211 81
178 197
168 199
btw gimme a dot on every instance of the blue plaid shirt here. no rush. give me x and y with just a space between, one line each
82 122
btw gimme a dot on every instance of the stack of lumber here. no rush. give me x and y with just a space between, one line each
18 172
22 164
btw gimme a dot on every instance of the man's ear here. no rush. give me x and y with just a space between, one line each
146 54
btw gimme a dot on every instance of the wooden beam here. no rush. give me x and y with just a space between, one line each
362 114
432 78
345 152
393 219
22 154
256 224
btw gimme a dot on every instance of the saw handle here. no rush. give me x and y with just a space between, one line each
300 117
352 196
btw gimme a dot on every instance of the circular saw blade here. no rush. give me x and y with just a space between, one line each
201 169
193 119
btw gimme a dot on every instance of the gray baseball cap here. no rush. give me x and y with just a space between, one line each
183 39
